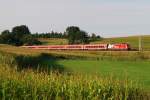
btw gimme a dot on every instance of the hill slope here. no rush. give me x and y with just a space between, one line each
132 40
53 41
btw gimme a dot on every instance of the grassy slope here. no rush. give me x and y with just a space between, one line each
134 70
138 70
53 41
113 55
30 85
133 41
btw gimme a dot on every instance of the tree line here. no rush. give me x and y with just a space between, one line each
21 35
51 34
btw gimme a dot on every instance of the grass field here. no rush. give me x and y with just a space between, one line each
111 55
134 70
133 64
53 41
114 75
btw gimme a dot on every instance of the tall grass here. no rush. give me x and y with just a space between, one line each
32 85
30 62
29 84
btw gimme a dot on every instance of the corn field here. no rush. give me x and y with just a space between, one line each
29 84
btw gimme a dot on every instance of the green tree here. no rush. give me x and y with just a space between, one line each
72 34
20 35
30 40
95 37
76 36
20 31
6 37
5 32
84 39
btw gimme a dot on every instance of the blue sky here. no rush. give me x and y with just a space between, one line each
108 18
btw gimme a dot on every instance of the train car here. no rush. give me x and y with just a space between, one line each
40 47
31 47
118 46
74 47
56 47
96 47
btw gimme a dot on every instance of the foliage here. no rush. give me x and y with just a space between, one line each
21 30
20 35
6 37
83 37
5 32
95 37
49 35
73 34
30 40
76 36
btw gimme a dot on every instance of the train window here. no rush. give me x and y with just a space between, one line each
101 46
74 47
56 47
42 47
31 47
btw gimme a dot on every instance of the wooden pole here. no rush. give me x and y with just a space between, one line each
140 43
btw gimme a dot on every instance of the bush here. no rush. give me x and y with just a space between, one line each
20 35
29 40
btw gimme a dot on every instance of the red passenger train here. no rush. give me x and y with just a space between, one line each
117 46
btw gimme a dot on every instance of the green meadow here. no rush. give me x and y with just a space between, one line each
134 70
